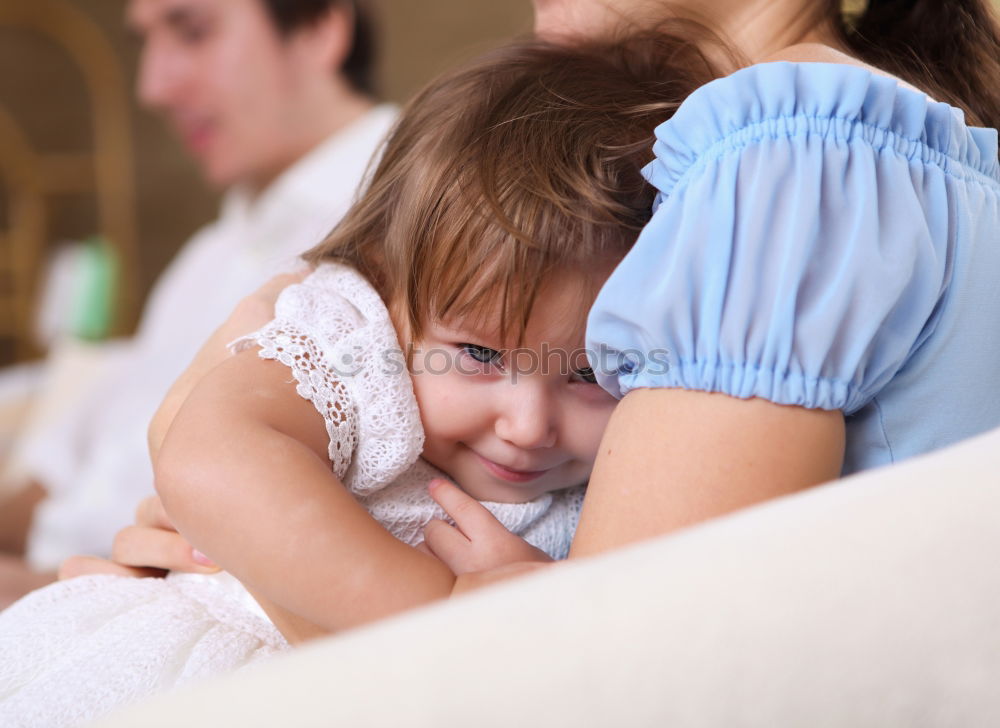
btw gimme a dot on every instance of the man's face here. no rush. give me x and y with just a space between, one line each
232 87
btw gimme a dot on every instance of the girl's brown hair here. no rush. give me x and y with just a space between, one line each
948 48
523 163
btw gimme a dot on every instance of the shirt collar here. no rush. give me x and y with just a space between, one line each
308 181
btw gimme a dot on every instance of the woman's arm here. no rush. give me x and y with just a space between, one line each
244 475
672 458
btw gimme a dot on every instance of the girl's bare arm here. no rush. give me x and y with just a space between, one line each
243 473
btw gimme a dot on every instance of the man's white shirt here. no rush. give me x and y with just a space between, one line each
94 460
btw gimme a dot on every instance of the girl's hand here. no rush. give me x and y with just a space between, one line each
250 314
150 547
479 544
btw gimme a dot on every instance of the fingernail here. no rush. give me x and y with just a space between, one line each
200 558
436 483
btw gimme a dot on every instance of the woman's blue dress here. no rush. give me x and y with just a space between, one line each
822 237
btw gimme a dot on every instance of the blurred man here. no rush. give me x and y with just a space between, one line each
273 98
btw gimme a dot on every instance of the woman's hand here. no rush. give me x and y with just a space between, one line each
150 547
480 551
250 314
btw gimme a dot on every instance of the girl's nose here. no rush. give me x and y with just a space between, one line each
527 418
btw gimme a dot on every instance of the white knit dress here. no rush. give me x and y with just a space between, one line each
78 649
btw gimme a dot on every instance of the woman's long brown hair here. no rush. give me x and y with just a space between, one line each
948 48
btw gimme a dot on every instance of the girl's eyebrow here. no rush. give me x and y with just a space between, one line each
469 334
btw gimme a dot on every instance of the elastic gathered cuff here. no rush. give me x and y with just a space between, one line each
745 382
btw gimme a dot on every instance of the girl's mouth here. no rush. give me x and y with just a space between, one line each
509 474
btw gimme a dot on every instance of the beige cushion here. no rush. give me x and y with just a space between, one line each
870 602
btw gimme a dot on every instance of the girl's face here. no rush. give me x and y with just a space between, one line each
510 424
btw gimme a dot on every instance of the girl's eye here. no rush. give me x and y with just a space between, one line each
483 354
585 375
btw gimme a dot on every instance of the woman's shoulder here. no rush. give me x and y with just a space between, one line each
822 53
811 91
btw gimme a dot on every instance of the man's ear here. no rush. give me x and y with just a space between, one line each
328 39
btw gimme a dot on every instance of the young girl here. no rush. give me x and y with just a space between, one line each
440 332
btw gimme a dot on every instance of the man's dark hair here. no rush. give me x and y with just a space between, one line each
359 67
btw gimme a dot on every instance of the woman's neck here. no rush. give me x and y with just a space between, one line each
782 30
757 29
761 29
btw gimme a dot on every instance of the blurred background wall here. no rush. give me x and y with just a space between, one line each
66 87
67 70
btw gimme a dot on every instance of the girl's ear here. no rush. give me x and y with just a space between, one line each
327 41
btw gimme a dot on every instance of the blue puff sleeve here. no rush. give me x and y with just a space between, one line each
799 247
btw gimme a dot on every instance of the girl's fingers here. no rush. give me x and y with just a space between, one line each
141 546
481 542
468 513
87 565
446 543
480 579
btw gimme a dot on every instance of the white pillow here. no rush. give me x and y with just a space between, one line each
871 601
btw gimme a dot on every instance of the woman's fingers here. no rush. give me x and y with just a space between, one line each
150 513
170 547
88 565
149 548
142 546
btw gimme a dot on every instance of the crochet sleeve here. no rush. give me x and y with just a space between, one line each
309 322
335 334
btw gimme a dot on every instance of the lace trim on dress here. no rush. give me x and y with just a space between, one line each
335 334
390 434
283 341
